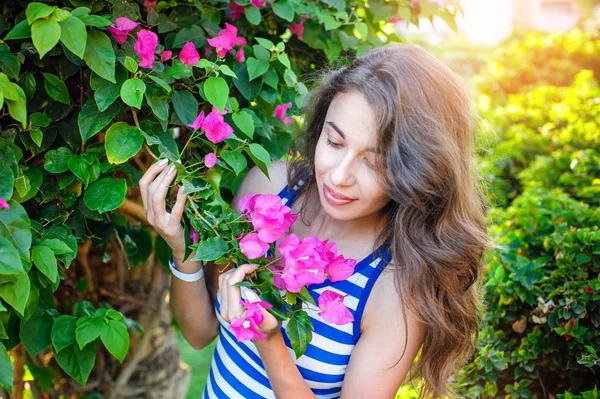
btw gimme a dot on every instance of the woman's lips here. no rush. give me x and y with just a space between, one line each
334 197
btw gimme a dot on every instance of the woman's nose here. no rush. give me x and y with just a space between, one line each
342 172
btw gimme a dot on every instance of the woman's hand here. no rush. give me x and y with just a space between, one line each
230 297
153 187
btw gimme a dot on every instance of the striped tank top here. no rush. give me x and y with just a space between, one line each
236 369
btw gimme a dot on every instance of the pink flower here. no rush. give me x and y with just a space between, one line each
280 113
226 39
393 20
334 310
166 55
122 27
145 47
189 55
298 28
340 269
236 11
215 127
194 235
253 247
245 329
197 124
277 276
210 160
269 216
4 204
258 3
304 264
149 3
240 56
588 289
253 311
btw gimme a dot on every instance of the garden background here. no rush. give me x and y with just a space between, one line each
87 103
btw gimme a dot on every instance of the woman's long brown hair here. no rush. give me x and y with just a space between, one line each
437 234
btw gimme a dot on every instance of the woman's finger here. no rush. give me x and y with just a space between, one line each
159 192
177 211
148 178
233 292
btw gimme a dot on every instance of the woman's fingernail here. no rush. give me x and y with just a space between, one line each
162 162
171 169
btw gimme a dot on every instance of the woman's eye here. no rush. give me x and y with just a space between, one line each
331 143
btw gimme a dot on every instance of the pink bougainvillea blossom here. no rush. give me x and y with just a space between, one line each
189 55
236 11
122 27
215 127
253 311
340 268
259 3
194 235
197 124
269 216
245 329
240 56
4 204
277 276
145 46
304 263
333 309
298 28
210 160
253 247
393 20
589 289
149 3
226 39
166 55
280 113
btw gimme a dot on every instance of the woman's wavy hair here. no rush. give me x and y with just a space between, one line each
437 234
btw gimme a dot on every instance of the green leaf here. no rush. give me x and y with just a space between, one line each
131 64
161 83
18 108
211 249
261 53
116 339
56 88
15 291
252 14
44 259
299 333
6 369
36 332
22 30
9 63
7 181
122 142
60 15
106 92
582 258
100 56
217 92
95 20
57 246
7 88
88 329
259 152
227 71
290 78
283 58
38 119
243 120
158 101
45 34
10 262
91 120
77 363
16 228
193 34
37 136
105 195
63 332
186 106
37 10
266 43
235 159
56 161
256 67
132 92
283 9
362 29
74 35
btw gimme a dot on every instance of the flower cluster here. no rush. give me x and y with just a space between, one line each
214 126
303 262
246 327
569 327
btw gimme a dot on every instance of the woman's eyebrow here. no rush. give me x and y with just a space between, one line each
337 129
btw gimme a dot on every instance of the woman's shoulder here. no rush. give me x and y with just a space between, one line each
256 182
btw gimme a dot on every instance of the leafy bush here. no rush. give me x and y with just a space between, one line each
541 329
86 111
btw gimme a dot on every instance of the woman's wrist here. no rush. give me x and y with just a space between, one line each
189 276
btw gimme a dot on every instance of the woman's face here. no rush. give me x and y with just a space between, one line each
344 159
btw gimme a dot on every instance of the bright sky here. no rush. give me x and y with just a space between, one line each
487 21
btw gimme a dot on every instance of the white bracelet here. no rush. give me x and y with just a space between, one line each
189 277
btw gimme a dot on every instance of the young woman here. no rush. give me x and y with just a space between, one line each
386 172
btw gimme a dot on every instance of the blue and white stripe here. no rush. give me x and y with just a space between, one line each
237 371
